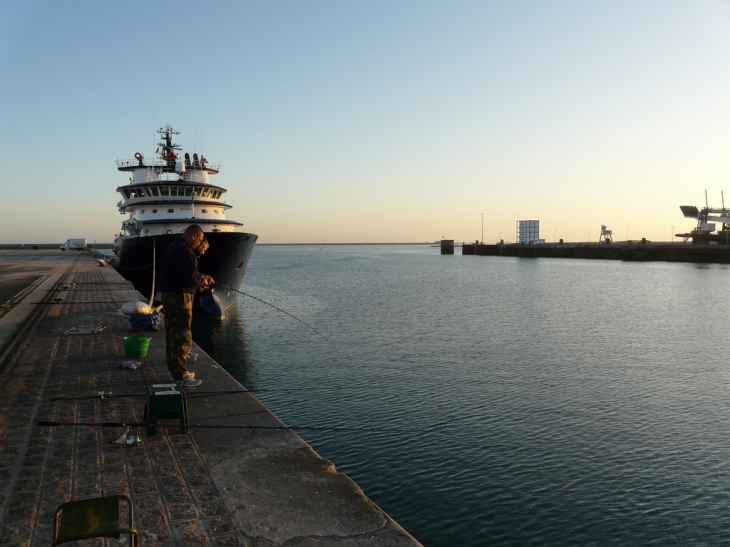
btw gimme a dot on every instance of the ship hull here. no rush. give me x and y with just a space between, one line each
225 261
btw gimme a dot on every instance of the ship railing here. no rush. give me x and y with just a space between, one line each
158 162
195 176
146 162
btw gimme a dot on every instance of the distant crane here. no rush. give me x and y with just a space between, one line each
606 235
706 219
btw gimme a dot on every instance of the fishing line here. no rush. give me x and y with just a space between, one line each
286 312
224 426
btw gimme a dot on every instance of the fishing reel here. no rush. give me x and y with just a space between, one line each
125 439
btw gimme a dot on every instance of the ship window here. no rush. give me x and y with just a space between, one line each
204 210
197 192
146 230
206 193
126 193
217 212
171 210
154 210
173 190
164 190
142 211
188 191
155 191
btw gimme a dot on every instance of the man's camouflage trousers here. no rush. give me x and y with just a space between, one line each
178 309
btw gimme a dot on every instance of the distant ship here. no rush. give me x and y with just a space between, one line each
164 196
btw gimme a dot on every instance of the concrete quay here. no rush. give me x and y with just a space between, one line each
635 251
219 487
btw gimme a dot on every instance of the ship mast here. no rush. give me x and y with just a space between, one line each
167 147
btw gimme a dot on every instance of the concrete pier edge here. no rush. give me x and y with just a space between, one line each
209 487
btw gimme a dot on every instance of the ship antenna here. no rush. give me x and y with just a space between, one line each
154 136
707 204
722 195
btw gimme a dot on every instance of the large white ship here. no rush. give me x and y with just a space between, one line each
166 194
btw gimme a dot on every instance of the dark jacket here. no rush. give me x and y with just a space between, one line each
179 271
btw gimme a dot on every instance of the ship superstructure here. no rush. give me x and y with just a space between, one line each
166 194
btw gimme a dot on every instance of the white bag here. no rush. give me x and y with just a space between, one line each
137 308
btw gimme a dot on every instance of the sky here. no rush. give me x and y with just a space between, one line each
372 121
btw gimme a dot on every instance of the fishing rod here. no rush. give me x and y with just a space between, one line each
286 312
223 426
108 394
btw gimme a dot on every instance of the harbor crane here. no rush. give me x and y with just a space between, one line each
706 219
606 235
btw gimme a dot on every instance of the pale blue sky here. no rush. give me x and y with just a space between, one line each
372 121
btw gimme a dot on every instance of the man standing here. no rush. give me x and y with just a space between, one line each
179 281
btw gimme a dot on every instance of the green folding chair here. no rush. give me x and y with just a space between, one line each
92 518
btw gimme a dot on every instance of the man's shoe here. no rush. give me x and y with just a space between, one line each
186 375
189 382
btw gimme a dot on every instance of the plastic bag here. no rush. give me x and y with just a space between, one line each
137 308
148 321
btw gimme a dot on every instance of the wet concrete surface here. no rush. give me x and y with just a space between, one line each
20 269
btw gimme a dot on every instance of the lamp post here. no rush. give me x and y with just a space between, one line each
482 228
589 235
500 237
627 234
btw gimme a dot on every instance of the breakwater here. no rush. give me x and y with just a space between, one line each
666 252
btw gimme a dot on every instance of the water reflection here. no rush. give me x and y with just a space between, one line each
229 343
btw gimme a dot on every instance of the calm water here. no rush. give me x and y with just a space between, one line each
561 402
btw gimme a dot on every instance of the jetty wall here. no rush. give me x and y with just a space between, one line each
666 252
